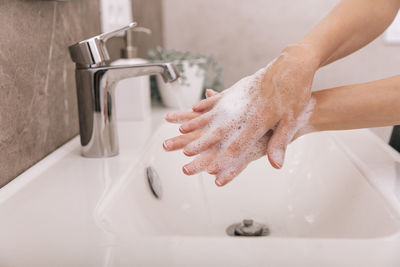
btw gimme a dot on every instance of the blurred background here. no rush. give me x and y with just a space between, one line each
246 35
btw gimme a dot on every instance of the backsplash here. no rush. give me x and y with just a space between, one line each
38 110
38 106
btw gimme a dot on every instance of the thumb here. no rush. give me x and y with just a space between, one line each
277 144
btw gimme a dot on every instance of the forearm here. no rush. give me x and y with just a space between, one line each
372 104
349 26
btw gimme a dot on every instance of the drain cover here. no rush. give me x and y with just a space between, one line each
247 228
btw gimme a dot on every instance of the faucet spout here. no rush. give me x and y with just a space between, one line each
95 84
168 71
95 88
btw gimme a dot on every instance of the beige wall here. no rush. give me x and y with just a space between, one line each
247 34
147 13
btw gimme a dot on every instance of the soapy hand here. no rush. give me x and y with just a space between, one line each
232 128
203 160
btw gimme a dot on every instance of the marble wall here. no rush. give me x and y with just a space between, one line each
38 107
38 110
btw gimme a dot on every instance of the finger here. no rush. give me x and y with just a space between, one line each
258 151
181 141
200 163
225 177
241 143
277 145
207 103
207 140
210 93
181 117
196 123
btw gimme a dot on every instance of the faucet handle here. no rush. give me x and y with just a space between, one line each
107 35
93 51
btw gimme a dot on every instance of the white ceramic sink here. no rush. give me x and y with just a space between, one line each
319 193
332 204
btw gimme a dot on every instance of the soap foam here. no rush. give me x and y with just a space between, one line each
232 114
236 165
295 125
302 120
259 149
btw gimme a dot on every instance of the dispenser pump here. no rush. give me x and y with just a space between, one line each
130 51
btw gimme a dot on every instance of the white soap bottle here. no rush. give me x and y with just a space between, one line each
132 96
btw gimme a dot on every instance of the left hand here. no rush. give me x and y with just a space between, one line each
205 159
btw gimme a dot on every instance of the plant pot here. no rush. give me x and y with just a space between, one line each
183 94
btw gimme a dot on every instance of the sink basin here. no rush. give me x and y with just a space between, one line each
332 204
319 193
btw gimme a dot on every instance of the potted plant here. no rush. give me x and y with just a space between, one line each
198 72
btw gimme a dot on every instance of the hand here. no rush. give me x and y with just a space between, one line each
203 160
228 127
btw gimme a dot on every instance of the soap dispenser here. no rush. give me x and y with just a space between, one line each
133 98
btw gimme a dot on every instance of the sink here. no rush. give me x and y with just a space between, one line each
332 204
312 196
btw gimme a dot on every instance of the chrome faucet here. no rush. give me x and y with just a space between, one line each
95 84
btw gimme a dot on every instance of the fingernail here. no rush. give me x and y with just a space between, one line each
167 144
278 157
212 169
277 165
188 154
195 106
168 116
186 170
183 128
218 182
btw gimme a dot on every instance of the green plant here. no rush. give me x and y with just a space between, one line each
212 69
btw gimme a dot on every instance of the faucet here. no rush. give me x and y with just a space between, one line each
95 84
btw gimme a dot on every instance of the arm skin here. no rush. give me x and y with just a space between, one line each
365 105
351 25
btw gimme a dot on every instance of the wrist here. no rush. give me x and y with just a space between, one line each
306 53
318 120
314 122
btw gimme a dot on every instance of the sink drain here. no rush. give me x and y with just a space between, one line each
247 228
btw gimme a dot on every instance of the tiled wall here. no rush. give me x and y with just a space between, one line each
38 111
